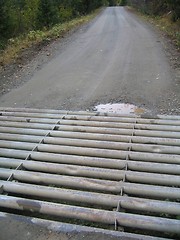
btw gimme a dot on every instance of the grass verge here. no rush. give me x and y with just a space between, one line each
172 29
17 45
165 24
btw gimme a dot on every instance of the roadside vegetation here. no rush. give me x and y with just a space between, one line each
24 23
165 14
15 46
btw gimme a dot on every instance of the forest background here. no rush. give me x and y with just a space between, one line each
21 19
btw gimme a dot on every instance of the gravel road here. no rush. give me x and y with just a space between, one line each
118 58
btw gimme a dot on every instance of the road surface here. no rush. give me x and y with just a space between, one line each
118 58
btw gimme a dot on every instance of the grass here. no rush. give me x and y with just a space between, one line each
165 24
16 46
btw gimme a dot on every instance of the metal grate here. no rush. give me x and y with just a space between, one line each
87 168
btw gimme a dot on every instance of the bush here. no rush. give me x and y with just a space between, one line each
65 14
123 2
18 17
154 7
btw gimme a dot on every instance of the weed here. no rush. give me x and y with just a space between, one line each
172 29
164 23
15 46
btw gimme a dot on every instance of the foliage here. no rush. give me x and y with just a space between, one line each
22 16
154 7
16 45
3 18
163 14
117 2
123 2
113 3
174 5
48 13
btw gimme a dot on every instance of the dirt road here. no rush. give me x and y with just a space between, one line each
117 58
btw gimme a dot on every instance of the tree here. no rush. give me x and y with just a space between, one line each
174 5
3 18
155 7
48 13
112 2
123 2
20 16
30 15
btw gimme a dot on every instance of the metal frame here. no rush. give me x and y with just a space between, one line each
59 227
103 161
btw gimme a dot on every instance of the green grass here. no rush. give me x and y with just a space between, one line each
15 46
172 29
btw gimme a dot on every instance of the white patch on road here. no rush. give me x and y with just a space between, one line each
121 108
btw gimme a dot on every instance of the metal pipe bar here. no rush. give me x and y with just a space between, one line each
105 153
53 118
35 112
93 124
119 131
28 131
50 111
68 122
115 138
10 162
114 154
117 175
146 133
41 166
51 167
92 162
169 117
92 136
31 110
32 120
161 192
20 137
113 146
26 125
121 125
66 181
93 143
60 158
13 153
59 113
60 227
123 120
93 152
74 170
93 215
108 131
17 145
92 198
